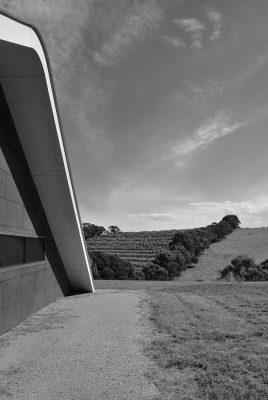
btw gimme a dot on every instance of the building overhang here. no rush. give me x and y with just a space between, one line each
25 77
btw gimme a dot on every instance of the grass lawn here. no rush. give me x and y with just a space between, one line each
208 339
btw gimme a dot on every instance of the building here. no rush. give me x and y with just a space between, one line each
42 249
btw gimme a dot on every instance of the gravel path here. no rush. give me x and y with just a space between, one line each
80 348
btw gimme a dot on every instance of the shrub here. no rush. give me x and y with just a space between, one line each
185 239
91 230
201 240
222 229
113 229
180 250
139 275
244 268
209 233
107 273
264 265
153 272
104 263
167 260
181 262
232 220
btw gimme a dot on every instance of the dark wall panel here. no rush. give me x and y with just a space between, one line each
15 250
34 249
12 250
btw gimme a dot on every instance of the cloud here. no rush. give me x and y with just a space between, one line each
216 19
211 130
252 212
153 216
256 206
194 27
175 42
197 94
141 18
250 71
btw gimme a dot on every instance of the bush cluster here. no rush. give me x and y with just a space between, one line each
186 246
243 268
92 230
107 266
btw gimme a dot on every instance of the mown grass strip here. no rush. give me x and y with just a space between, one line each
210 344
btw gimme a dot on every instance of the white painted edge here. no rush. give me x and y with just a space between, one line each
18 33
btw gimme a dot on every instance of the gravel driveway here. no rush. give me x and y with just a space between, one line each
82 347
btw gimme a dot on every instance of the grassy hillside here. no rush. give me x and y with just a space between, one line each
138 248
247 241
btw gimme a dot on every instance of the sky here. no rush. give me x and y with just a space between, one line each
164 106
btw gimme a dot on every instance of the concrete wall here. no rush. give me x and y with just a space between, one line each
14 218
24 290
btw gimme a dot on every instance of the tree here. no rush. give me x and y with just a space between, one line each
222 229
91 230
184 238
166 259
232 220
105 263
153 272
113 229
244 268
107 273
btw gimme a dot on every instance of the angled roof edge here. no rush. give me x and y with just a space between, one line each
30 37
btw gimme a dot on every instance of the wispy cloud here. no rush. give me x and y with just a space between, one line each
216 19
213 129
194 27
153 216
255 206
252 212
203 94
173 41
141 18
251 70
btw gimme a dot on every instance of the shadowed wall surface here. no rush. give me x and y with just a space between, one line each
27 287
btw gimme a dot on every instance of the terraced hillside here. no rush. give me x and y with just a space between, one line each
138 248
